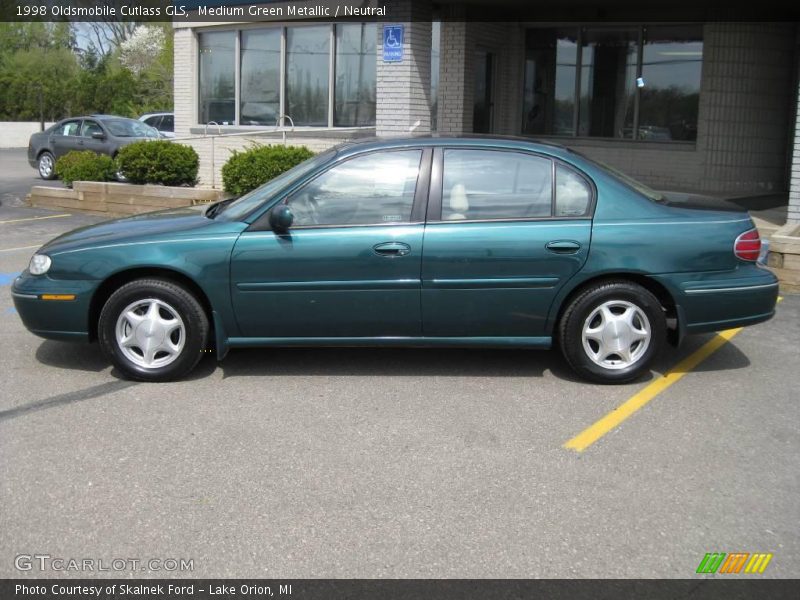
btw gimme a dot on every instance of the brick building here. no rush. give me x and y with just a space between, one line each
706 106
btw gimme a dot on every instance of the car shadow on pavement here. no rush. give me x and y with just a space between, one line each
90 358
448 362
392 362
728 357
66 355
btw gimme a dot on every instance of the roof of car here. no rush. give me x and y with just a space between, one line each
111 117
497 141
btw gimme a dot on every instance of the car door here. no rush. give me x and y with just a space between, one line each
350 264
88 142
506 230
66 138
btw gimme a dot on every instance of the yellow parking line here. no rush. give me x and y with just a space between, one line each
19 248
599 428
35 218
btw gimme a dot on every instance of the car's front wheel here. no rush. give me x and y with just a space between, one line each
47 166
153 330
612 331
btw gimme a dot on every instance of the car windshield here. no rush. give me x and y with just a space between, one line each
130 128
237 210
646 191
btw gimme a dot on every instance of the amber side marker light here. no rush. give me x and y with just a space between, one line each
57 296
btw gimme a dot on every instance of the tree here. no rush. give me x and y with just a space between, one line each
36 79
142 49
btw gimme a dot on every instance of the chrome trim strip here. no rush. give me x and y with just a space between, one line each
29 296
178 241
489 283
304 286
600 224
731 289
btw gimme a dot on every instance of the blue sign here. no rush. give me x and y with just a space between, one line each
393 43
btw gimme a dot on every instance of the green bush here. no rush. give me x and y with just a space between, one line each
85 165
158 161
251 168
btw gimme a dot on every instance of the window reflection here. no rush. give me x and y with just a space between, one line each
355 74
375 188
260 77
307 68
549 95
613 83
217 94
671 69
608 82
489 184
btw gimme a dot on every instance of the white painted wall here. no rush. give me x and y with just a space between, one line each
15 134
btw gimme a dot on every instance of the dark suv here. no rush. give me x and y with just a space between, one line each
104 134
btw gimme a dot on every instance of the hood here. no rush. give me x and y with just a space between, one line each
175 222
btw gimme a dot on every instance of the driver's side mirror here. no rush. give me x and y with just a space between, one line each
281 218
99 135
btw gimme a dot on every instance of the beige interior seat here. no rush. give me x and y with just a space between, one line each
459 203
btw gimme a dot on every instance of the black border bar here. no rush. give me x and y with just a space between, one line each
539 11
705 588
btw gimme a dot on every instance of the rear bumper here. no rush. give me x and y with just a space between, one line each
716 301
66 320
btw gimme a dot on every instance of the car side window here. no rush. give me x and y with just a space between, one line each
90 127
495 184
167 123
573 194
69 128
376 188
153 121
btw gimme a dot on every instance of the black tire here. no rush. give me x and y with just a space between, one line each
182 310
616 295
46 164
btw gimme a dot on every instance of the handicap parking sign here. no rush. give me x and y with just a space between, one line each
392 43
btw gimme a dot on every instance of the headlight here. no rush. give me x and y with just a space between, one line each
40 264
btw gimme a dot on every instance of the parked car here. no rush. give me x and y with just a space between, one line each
408 242
104 134
163 121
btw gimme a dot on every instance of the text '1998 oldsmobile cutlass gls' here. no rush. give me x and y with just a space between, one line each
464 242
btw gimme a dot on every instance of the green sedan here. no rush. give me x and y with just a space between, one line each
445 242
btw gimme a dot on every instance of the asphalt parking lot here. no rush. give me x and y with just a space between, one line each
391 463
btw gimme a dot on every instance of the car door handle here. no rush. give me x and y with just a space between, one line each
391 249
563 247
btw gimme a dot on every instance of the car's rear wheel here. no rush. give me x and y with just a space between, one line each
47 166
153 330
612 331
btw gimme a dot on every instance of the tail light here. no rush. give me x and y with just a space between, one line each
748 245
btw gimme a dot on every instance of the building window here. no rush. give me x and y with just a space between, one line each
260 97
217 68
308 51
637 82
671 65
310 93
355 75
